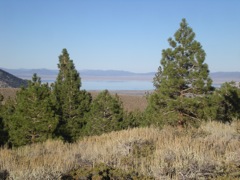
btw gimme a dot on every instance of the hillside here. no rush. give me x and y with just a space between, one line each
8 80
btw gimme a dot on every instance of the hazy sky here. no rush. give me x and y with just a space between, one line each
115 34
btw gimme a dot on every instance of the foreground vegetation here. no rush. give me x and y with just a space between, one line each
211 151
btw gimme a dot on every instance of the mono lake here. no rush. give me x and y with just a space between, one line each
117 85
112 85
121 85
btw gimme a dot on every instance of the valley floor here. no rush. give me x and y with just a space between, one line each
132 99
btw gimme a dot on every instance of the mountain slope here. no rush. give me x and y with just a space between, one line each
8 80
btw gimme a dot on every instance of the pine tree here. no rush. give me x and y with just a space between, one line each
225 103
71 102
33 118
106 114
7 110
182 80
3 132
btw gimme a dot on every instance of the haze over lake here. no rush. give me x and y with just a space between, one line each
114 79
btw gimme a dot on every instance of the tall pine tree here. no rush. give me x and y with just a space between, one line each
33 118
71 102
182 81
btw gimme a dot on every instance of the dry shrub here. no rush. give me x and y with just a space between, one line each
211 151
8 93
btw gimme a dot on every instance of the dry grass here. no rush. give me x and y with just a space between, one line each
209 152
8 92
132 100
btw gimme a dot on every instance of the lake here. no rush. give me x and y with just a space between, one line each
117 85
112 84
121 85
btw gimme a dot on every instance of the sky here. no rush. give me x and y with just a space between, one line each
119 35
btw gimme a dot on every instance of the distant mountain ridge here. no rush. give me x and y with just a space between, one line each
220 77
8 80
28 72
112 73
48 74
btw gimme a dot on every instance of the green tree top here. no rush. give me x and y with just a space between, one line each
67 72
182 69
182 78
67 87
71 102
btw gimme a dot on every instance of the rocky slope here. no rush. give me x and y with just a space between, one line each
8 80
